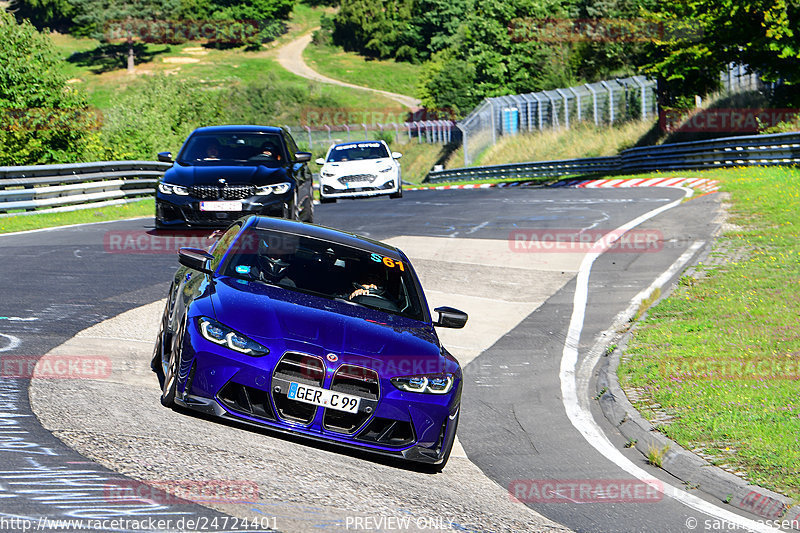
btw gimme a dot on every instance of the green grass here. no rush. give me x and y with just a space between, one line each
142 208
582 140
212 67
387 75
721 354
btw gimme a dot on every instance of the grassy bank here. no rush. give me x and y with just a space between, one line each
583 140
386 75
719 359
142 208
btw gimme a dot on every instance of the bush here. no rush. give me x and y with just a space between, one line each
42 118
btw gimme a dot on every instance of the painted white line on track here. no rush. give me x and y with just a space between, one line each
54 228
13 342
581 417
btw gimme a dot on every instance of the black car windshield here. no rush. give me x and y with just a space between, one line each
330 270
232 148
357 152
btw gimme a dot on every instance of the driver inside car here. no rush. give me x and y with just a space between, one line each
369 286
273 265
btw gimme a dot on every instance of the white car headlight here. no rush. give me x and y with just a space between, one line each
275 188
388 169
328 174
168 188
441 384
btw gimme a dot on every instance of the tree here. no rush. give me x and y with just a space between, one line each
109 20
701 38
43 119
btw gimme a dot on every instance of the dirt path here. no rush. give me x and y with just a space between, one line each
290 57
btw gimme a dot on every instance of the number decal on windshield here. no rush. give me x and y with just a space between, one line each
388 261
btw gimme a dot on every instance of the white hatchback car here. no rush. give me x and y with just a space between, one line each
359 169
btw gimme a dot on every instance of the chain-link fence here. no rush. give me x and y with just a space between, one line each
319 138
605 102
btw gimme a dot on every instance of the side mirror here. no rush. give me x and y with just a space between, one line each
302 157
195 258
450 318
165 157
320 161
396 155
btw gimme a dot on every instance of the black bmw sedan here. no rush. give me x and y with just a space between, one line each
225 172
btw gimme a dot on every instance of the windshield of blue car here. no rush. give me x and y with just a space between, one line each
329 270
247 148
357 152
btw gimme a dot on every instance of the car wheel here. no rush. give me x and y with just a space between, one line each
399 193
158 351
324 200
170 385
295 207
310 211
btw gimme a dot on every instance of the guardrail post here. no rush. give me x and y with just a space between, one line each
310 141
366 135
347 127
327 127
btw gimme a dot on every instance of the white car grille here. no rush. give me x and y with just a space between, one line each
354 178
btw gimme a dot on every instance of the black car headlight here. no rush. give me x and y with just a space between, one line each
439 384
230 338
275 188
168 188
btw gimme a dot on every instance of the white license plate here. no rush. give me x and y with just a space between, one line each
220 206
323 397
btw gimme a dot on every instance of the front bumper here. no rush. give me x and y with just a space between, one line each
330 188
173 210
223 383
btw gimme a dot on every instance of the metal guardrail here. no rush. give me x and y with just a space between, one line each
754 150
76 185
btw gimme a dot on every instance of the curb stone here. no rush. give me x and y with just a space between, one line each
692 470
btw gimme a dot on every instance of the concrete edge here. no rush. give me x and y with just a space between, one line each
694 471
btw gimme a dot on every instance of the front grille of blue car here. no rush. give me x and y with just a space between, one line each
246 400
226 192
356 381
298 368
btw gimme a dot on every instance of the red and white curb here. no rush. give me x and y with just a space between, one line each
704 185
700 184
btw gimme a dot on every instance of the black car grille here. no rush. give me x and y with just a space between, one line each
358 177
357 381
298 368
246 400
388 432
226 192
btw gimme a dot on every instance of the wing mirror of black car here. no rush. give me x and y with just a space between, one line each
450 318
302 157
195 259
165 157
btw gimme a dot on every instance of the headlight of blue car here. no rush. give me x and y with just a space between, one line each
167 188
275 188
225 336
441 384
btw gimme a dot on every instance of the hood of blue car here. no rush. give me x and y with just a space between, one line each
290 320
238 174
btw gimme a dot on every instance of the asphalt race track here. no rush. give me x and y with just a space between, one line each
70 292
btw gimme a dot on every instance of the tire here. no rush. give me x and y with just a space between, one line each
295 214
398 194
310 211
158 351
324 200
170 385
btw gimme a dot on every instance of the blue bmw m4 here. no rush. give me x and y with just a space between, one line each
314 332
